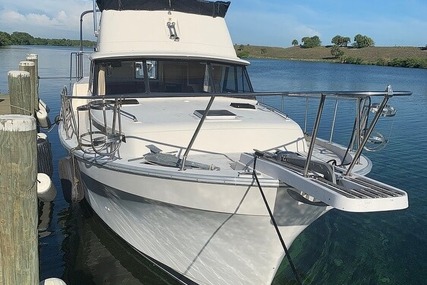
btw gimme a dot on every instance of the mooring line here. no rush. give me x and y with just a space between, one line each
285 248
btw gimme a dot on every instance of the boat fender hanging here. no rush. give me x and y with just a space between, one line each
71 185
42 115
46 191
52 281
44 155
43 105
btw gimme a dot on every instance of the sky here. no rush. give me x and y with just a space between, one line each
255 22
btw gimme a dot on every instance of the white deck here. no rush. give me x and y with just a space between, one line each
171 121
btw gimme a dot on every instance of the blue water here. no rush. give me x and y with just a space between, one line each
339 248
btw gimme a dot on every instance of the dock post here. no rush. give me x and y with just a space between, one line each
19 262
35 58
19 92
30 67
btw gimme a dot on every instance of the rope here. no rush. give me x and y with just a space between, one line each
285 248
154 262
57 77
22 109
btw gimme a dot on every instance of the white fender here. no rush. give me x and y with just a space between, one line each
42 115
52 281
42 136
46 191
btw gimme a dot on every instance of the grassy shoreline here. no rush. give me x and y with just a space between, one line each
415 57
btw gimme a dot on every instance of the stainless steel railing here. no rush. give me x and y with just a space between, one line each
105 140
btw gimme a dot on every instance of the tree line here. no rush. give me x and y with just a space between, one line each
22 38
360 41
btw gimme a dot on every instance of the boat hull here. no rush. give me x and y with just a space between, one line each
205 246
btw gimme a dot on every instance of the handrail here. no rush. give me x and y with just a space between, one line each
367 134
201 122
249 95
79 54
81 24
314 134
361 131
196 132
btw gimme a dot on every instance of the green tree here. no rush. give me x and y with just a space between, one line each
336 51
41 41
361 41
294 43
243 54
340 41
21 38
345 41
310 42
5 39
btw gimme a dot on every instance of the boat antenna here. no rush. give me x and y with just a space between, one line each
95 19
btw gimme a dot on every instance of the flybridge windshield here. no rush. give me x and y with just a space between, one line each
201 7
152 75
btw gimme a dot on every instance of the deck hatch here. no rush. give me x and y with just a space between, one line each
216 114
242 105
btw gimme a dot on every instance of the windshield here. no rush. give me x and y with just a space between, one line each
164 75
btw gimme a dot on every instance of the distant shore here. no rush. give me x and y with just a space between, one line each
414 57
404 56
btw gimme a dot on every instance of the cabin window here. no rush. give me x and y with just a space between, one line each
236 80
128 76
151 66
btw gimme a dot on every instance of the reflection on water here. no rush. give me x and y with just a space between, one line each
344 248
93 254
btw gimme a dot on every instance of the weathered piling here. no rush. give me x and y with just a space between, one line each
35 58
19 93
30 67
4 104
18 196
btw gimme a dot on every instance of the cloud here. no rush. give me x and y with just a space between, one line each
38 25
11 17
47 19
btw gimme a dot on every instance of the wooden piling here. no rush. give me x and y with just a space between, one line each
18 196
30 67
4 104
35 58
19 92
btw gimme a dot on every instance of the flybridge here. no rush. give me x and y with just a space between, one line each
178 31
207 8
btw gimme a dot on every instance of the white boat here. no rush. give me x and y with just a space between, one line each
182 159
